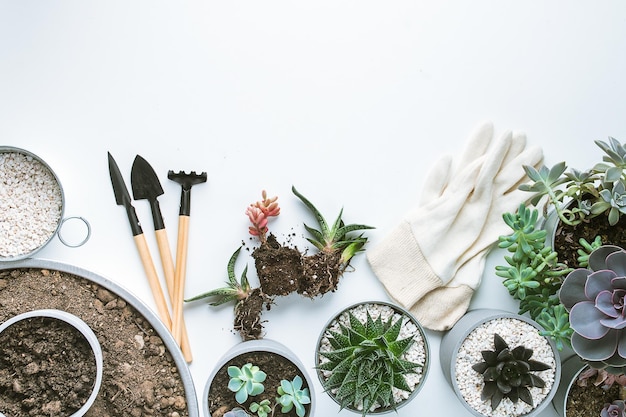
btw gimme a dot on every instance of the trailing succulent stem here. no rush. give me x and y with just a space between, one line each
507 373
533 274
366 362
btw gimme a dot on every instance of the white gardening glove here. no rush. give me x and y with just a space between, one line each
453 227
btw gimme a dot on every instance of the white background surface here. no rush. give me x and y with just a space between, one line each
350 101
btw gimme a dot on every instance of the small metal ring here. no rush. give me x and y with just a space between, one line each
81 243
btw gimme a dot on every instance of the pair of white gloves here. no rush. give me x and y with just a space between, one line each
432 262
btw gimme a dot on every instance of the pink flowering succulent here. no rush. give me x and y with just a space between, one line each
259 214
615 409
595 299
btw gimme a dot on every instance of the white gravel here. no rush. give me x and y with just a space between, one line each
30 204
416 353
514 332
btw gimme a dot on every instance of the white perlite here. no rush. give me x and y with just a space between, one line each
30 204
515 333
416 353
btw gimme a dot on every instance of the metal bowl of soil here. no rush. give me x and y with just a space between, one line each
31 203
53 355
145 372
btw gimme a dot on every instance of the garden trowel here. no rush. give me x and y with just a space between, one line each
146 186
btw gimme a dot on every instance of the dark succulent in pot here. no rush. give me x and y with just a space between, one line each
508 373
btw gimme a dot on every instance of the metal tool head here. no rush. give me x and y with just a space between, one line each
122 197
144 180
187 180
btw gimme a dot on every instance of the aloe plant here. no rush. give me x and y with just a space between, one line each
366 362
335 238
234 290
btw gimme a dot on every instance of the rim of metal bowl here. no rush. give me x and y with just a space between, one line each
13 149
157 324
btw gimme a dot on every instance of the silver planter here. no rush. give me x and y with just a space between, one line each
454 338
425 368
570 370
262 345
137 304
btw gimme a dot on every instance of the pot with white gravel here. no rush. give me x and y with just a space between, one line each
499 364
372 357
32 204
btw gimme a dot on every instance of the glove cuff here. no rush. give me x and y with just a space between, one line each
402 268
443 307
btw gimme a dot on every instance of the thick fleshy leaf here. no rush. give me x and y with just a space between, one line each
585 319
524 395
597 258
621 347
619 283
489 390
616 261
604 303
573 288
597 282
617 323
595 350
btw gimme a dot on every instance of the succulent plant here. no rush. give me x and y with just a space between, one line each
595 299
259 213
534 275
246 381
261 409
234 290
508 373
366 362
293 395
615 409
236 412
600 190
336 238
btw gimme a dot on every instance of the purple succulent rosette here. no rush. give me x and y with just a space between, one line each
594 298
616 409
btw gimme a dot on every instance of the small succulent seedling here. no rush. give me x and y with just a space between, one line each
508 373
246 381
262 409
293 395
335 238
366 362
259 213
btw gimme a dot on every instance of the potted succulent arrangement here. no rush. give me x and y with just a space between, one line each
372 358
499 364
563 282
283 269
259 378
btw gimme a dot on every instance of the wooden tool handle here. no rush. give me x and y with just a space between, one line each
168 271
153 279
179 276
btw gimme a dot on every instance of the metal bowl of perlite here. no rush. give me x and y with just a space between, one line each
31 203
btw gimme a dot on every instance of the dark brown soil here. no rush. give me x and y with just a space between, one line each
277 367
47 367
588 401
248 315
282 270
566 241
140 377
278 267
